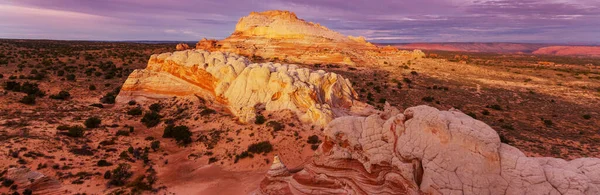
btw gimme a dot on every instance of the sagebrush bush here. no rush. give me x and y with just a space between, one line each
151 119
181 134
92 122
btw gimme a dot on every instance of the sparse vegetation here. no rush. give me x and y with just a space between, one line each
92 122
181 134
260 119
151 119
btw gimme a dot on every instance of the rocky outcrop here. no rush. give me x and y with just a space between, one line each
182 46
243 87
33 180
427 151
281 35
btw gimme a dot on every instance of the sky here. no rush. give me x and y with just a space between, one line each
533 21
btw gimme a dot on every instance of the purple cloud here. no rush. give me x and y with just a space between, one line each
562 21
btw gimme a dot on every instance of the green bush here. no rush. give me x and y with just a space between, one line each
103 163
495 107
75 131
313 139
181 134
155 145
62 95
120 175
28 99
156 107
587 116
151 119
260 119
260 147
122 133
135 111
70 77
277 126
92 122
428 99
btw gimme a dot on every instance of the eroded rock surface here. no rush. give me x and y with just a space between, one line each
36 181
182 46
281 35
427 151
243 87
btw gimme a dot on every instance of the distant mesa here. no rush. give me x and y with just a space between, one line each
528 48
281 35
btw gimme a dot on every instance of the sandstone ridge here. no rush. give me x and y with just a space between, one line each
232 81
281 35
427 151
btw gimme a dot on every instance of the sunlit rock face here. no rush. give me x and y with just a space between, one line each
281 35
427 151
243 87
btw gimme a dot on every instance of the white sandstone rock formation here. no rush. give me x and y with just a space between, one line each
427 151
234 82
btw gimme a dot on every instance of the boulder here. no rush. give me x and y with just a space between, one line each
243 87
182 46
427 151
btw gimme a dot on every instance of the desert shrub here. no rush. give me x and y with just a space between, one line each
75 131
313 139
472 115
260 119
92 87
7 182
547 122
27 191
97 105
109 98
212 160
107 175
63 127
382 100
485 112
120 175
181 134
495 107
156 107
507 126
122 133
62 95
60 73
407 80
135 111
92 122
260 147
587 116
207 112
505 140
103 163
151 119
28 99
131 102
314 146
84 150
428 99
70 77
155 145
277 126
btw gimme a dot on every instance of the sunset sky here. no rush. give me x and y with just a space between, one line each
549 21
